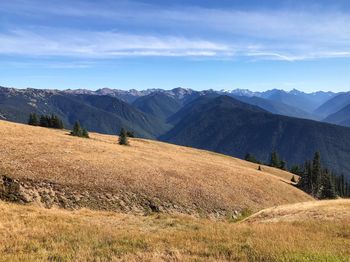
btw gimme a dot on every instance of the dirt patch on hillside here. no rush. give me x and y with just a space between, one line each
48 195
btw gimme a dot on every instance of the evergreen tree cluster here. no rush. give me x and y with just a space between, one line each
79 131
124 136
320 182
314 179
52 121
275 161
251 158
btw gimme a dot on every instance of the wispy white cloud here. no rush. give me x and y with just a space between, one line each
105 44
289 35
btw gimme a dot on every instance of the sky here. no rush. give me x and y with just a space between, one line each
226 44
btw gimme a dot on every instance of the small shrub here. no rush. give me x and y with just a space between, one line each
130 134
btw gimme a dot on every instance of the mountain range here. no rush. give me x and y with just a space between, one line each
225 125
294 103
102 113
231 122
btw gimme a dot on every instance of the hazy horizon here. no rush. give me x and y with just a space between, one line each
169 89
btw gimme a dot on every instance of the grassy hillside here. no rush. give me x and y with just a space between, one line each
36 234
52 168
331 210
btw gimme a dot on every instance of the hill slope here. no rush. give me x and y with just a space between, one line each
342 117
275 107
51 168
36 234
333 105
104 114
304 101
228 126
158 105
331 210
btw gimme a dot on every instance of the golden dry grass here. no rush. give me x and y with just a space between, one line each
332 210
36 234
183 176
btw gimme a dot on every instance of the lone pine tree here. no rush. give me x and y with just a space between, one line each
123 137
293 180
79 131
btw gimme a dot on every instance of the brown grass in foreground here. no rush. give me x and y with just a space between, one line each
190 178
34 234
331 210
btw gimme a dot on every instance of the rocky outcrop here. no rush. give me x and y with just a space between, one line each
48 194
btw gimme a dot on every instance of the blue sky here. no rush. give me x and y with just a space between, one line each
165 44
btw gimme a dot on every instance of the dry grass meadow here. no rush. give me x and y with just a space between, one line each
183 176
331 210
311 231
37 234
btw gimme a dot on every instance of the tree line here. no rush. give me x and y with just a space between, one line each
320 182
275 160
53 121
50 121
315 179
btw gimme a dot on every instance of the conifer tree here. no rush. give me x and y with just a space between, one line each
304 182
33 120
56 122
251 158
295 170
51 120
282 164
326 189
316 172
123 138
85 133
130 133
44 122
247 157
274 160
77 131
293 180
60 124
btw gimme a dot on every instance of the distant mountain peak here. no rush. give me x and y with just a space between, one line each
295 92
240 92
